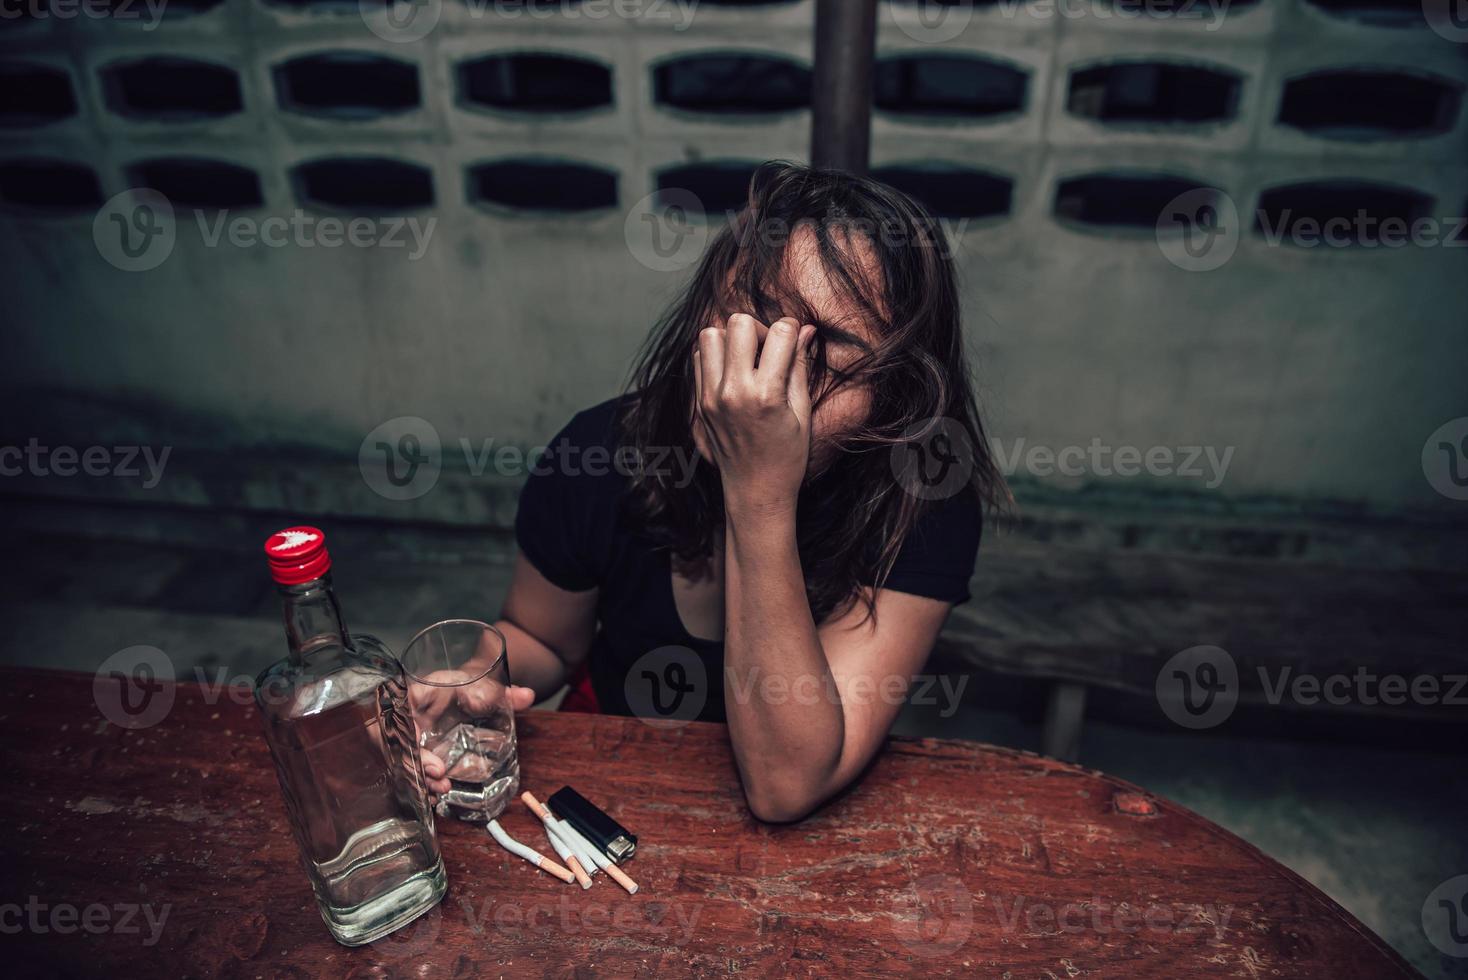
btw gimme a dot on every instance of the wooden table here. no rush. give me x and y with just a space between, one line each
165 852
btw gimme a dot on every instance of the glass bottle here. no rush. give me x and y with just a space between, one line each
340 731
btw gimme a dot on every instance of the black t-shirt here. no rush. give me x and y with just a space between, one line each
572 528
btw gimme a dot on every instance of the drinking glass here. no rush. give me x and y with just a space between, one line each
458 690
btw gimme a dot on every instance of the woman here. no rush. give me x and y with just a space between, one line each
791 578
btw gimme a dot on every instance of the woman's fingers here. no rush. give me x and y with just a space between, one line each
776 359
701 440
798 389
436 773
743 345
711 359
484 697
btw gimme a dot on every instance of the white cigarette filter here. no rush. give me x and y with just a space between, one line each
569 856
581 844
589 855
534 857
600 859
562 851
560 831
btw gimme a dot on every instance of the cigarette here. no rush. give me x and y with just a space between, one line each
600 859
562 831
582 878
534 857
573 859
568 855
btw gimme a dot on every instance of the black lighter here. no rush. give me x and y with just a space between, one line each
602 831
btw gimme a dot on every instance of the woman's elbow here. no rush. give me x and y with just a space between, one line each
777 805
778 811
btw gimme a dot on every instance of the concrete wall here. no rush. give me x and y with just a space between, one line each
1326 369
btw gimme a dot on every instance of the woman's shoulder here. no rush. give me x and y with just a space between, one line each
598 425
599 443
591 444
938 555
566 523
960 516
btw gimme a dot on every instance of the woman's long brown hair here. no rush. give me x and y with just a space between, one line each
884 253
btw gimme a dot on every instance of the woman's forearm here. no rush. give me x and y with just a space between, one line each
786 733
532 663
754 424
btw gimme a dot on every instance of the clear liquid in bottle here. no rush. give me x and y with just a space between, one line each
340 731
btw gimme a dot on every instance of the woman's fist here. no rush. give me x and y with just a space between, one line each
752 408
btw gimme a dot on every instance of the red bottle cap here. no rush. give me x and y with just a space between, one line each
297 555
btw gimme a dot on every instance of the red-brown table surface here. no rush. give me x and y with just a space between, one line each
947 858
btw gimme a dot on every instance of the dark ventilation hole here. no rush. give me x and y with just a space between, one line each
31 95
542 185
939 4
949 86
1457 231
1458 235
171 10
369 183
1119 200
191 182
171 89
20 16
1210 17
732 83
951 192
535 83
720 187
1378 13
347 85
50 185
1299 212
189 8
1368 104
1153 92
342 6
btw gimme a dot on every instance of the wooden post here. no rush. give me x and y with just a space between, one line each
846 41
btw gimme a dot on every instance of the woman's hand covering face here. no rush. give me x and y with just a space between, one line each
752 409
